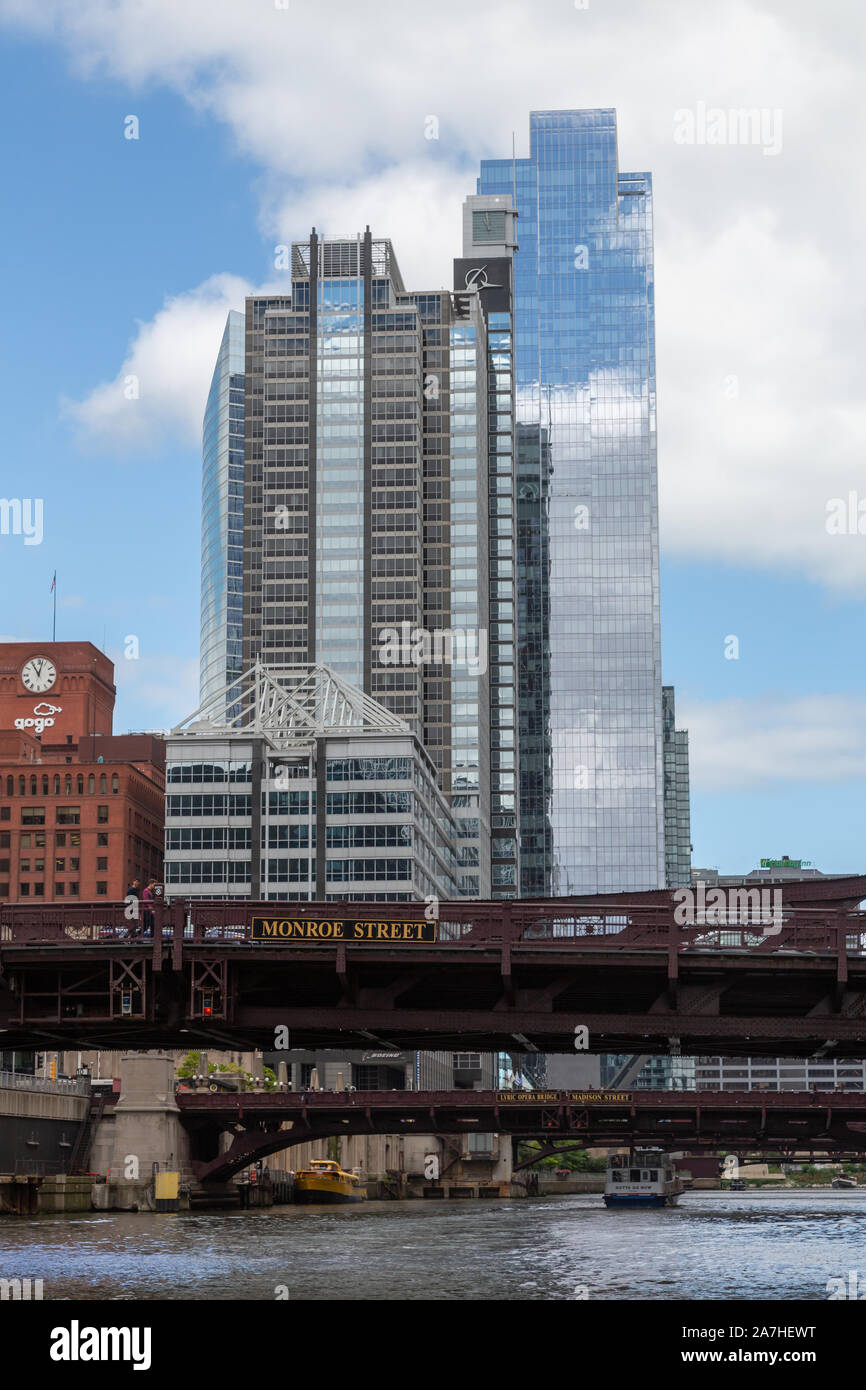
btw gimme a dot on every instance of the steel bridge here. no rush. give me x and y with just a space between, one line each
263 1123
519 975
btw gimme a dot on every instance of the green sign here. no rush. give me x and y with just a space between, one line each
786 863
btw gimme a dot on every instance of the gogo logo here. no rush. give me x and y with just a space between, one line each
42 718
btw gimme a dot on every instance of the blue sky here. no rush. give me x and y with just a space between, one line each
123 255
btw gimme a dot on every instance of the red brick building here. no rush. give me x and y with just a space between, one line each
82 811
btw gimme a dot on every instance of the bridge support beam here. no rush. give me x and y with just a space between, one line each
143 1131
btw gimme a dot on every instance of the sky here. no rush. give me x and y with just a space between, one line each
122 256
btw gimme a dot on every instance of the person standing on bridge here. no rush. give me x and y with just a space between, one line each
133 894
148 896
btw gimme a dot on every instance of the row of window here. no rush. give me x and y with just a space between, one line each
40 787
61 890
209 772
36 839
63 815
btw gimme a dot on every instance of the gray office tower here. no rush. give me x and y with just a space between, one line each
590 725
378 515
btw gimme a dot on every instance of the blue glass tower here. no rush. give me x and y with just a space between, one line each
222 516
589 648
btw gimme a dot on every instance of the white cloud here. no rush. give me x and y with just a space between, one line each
749 744
154 692
416 206
161 387
758 262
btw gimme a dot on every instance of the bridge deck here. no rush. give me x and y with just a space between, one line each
622 972
704 1121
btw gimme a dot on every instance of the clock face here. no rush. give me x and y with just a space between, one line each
39 674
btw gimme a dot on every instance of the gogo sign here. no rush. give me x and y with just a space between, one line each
43 718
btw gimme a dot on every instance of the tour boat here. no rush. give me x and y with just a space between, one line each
325 1181
642 1178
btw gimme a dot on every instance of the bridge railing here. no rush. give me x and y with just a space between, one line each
18 1081
645 921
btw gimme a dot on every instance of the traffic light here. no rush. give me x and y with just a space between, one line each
207 1004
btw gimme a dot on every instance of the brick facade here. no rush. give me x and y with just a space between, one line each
82 811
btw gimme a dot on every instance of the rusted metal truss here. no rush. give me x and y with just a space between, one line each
262 1124
499 975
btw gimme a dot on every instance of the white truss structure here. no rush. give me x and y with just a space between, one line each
291 706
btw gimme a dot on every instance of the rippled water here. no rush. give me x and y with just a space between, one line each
713 1245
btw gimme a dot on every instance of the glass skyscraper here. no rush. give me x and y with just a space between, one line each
678 849
589 651
222 515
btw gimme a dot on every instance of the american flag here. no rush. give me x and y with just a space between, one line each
53 583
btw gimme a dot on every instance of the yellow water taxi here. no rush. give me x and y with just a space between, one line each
325 1181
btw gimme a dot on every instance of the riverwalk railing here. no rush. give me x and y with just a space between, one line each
19 1081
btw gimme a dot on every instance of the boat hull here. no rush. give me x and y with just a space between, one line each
309 1192
655 1199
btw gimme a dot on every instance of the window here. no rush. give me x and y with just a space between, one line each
102 840
102 864
361 769
103 785
115 784
24 890
33 815
39 890
69 815
74 865
5 813
60 839
24 866
25 841
73 890
101 888
102 815
91 785
59 890
60 866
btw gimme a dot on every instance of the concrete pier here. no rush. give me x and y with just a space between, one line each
141 1134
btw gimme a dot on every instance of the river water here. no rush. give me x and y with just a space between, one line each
713 1245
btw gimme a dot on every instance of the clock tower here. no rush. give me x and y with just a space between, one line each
58 692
